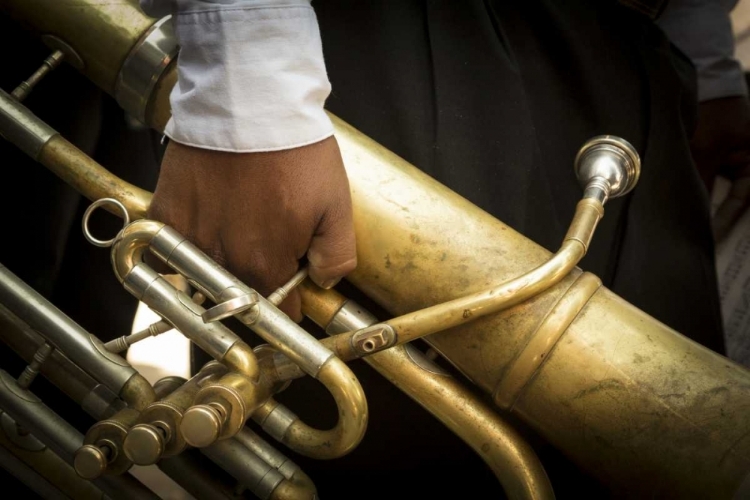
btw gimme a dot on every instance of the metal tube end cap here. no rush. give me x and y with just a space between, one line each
144 444
610 160
201 426
90 462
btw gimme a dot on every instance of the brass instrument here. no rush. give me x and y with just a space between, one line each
628 399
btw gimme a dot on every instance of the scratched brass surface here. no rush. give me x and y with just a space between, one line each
101 32
634 402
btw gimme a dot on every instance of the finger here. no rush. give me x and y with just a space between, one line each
333 253
265 268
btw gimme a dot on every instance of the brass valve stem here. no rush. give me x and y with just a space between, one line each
24 88
221 409
101 452
157 434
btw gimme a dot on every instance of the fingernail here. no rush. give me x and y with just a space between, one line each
331 283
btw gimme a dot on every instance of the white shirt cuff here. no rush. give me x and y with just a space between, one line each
250 77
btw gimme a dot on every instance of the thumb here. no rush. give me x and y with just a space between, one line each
333 253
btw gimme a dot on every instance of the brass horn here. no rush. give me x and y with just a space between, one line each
591 373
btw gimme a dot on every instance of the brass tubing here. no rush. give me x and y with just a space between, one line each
176 306
83 348
420 244
503 449
58 369
636 392
59 474
157 433
50 63
221 287
101 33
456 312
260 468
131 244
459 311
167 385
91 179
352 421
191 474
316 443
241 359
62 438
102 450
297 485
221 408
46 425
543 341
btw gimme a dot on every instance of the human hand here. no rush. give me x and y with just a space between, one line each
258 214
721 146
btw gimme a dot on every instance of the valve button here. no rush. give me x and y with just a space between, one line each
144 444
201 426
90 461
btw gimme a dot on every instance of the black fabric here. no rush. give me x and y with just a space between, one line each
650 8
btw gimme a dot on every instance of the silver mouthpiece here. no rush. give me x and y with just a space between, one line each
607 167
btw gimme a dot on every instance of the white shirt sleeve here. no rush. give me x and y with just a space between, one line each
702 29
251 75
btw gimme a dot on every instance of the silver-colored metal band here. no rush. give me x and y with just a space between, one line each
144 66
278 422
21 127
101 402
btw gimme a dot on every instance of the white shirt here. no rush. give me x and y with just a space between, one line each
251 75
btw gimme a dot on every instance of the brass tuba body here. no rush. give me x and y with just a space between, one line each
630 400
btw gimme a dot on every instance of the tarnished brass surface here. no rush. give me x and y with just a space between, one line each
542 342
502 448
137 392
298 487
131 245
158 433
352 419
588 214
91 179
102 451
420 244
648 404
55 470
241 358
167 385
221 408
58 369
632 401
101 32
